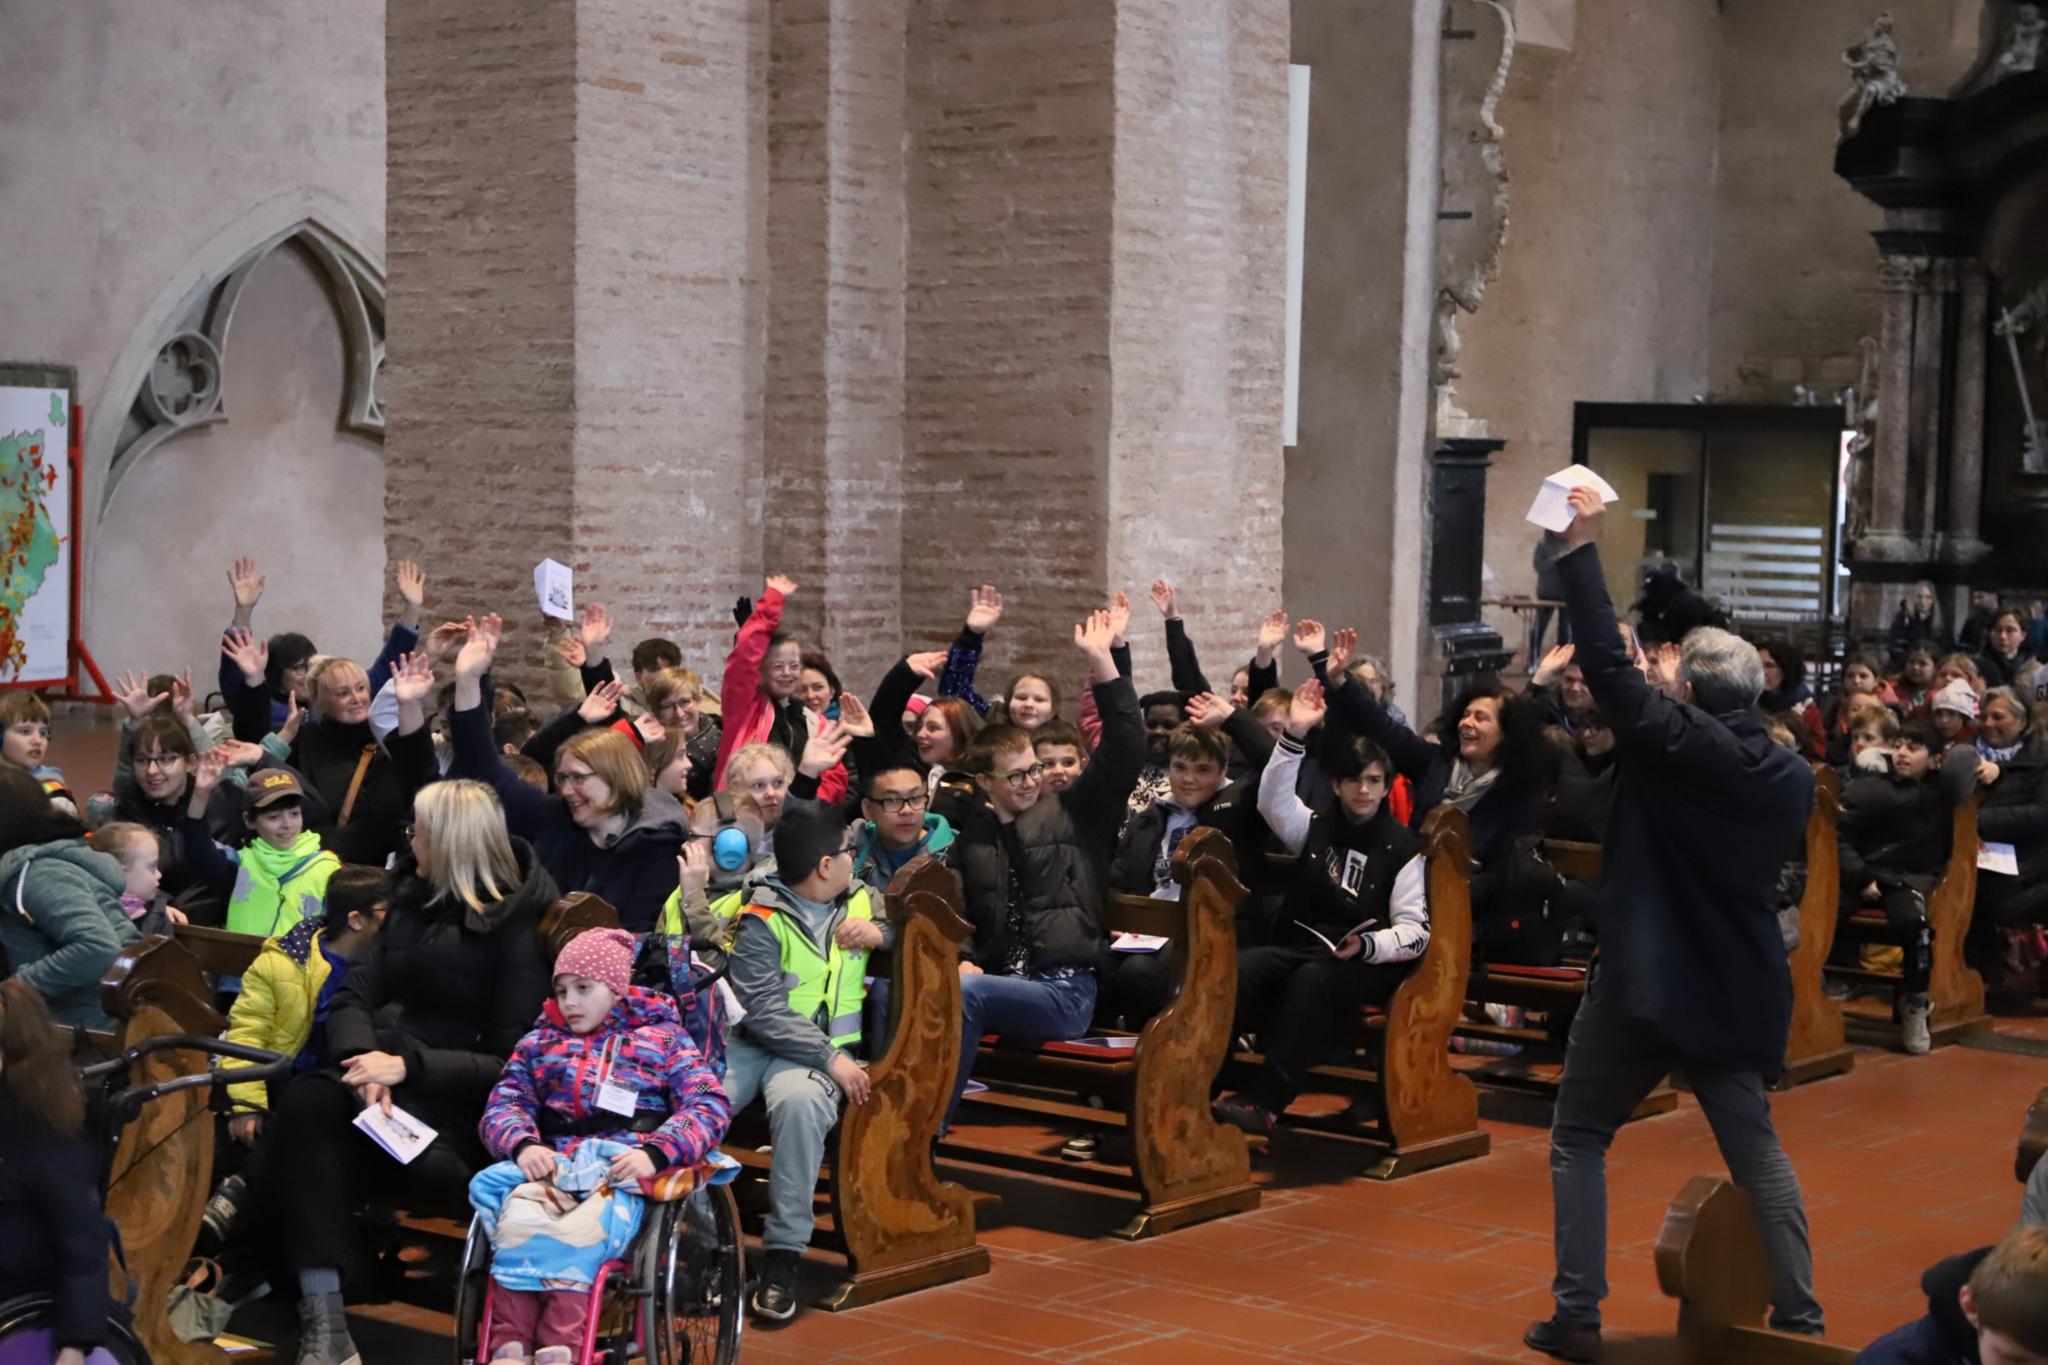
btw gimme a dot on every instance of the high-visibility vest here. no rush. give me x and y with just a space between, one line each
827 990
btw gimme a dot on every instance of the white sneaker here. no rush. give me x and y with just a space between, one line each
1913 1025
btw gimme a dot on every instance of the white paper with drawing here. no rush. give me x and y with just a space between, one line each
1552 509
555 585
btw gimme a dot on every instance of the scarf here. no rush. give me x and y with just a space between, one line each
277 887
1464 789
2001 755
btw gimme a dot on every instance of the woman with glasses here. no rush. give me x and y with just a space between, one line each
760 694
604 829
672 699
154 794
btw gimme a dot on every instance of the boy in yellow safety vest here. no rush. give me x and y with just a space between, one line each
798 965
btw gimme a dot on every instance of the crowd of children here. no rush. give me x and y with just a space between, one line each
393 832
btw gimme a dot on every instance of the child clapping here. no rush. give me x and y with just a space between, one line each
606 1091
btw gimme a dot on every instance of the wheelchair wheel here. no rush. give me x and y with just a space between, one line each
470 1284
25 1335
698 1273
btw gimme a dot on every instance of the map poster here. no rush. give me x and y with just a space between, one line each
35 528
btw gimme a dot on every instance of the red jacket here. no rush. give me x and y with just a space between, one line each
749 717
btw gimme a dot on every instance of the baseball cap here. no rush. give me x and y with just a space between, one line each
268 786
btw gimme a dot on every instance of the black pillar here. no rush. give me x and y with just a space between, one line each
1457 514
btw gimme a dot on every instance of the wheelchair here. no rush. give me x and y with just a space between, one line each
675 1299
25 1319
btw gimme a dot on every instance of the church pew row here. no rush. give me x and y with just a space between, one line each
1710 1258
1184 1167
1424 1113
899 1225
1954 988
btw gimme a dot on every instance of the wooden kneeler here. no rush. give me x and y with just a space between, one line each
1710 1258
163 1162
1816 1046
1186 1167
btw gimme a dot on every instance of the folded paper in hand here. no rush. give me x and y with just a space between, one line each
1552 509
1358 930
398 1133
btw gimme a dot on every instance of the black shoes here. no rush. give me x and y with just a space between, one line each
1241 1113
775 1292
1555 1338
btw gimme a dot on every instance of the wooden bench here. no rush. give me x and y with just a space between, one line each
1185 1166
163 1162
901 1227
219 952
1816 1045
1427 1114
1710 1258
1954 988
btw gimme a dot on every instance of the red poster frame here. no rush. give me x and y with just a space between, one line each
79 665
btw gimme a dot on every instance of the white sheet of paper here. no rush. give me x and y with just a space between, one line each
555 585
1996 857
398 1133
1137 943
1552 509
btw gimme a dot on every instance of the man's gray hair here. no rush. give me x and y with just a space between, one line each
1726 672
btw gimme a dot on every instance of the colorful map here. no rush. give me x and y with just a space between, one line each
31 546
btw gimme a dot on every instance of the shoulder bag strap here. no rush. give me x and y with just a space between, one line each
355 784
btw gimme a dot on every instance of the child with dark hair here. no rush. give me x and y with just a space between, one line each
1063 749
898 824
280 875
1354 917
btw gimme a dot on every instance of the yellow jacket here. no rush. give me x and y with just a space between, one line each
275 1009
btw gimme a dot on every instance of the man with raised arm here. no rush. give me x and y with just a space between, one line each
1691 972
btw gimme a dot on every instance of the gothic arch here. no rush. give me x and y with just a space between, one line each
169 379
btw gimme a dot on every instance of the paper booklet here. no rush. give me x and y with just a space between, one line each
1993 856
1362 928
1136 943
554 584
1552 509
398 1133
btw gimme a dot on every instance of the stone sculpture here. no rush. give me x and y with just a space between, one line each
1873 75
1473 218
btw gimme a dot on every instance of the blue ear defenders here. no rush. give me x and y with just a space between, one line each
731 848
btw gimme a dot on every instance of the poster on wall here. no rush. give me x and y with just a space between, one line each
35 530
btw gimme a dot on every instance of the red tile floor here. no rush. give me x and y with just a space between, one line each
1903 1161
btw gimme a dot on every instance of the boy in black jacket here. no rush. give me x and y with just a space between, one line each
1033 893
1985 1307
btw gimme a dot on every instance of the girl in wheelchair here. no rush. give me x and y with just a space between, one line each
607 1092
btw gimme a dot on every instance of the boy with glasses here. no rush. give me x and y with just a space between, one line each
1033 892
899 824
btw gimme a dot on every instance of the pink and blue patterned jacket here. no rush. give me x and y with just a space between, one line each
558 1071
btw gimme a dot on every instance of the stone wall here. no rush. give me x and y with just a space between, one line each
147 147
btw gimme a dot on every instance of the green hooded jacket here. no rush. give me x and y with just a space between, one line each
62 925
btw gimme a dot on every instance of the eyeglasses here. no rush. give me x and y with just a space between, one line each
1022 777
165 761
893 803
678 707
565 778
785 668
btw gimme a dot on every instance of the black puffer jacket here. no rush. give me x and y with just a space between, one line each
2015 810
450 990
327 754
1062 895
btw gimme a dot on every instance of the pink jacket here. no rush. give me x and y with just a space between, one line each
748 716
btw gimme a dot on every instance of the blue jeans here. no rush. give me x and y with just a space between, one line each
1610 1065
1023 1010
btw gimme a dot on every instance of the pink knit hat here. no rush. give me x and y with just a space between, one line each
915 706
1957 696
602 955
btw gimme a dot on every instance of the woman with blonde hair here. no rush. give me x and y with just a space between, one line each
423 1024
604 829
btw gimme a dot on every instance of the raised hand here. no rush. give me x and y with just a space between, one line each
293 719
1552 668
207 769
412 584
131 689
778 583
1119 617
826 746
602 703
240 753
1164 598
1208 710
1342 645
1308 636
1306 711
853 715
247 653
481 648
927 664
1092 638
693 866
1589 515
593 628
247 586
570 647
412 679
1272 634
181 697
984 609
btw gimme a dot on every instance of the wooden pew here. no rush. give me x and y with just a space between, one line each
1954 987
1186 1167
1711 1259
1428 1112
219 952
901 1227
163 1162
570 916
1816 1046
2033 1138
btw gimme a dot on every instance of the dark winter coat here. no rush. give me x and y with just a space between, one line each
326 755
2015 810
53 1235
1944 1336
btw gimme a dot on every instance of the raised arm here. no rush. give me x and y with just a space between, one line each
1282 808
1355 708
741 683
1263 672
984 610
476 750
247 657
1180 650
1101 790
405 629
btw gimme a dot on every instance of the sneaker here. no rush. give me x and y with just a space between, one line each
1242 1114
511 1350
1082 1148
775 1292
1566 1342
223 1209
554 1355
1913 1029
323 1333
1837 988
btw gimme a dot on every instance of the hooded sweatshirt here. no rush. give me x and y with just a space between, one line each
756 973
878 866
61 924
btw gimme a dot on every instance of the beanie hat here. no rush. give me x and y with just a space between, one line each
1957 696
602 955
915 706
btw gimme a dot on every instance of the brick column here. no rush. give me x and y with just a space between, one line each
575 316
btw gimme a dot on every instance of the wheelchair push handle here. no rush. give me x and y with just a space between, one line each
266 1066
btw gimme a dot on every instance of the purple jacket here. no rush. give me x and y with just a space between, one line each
556 1070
